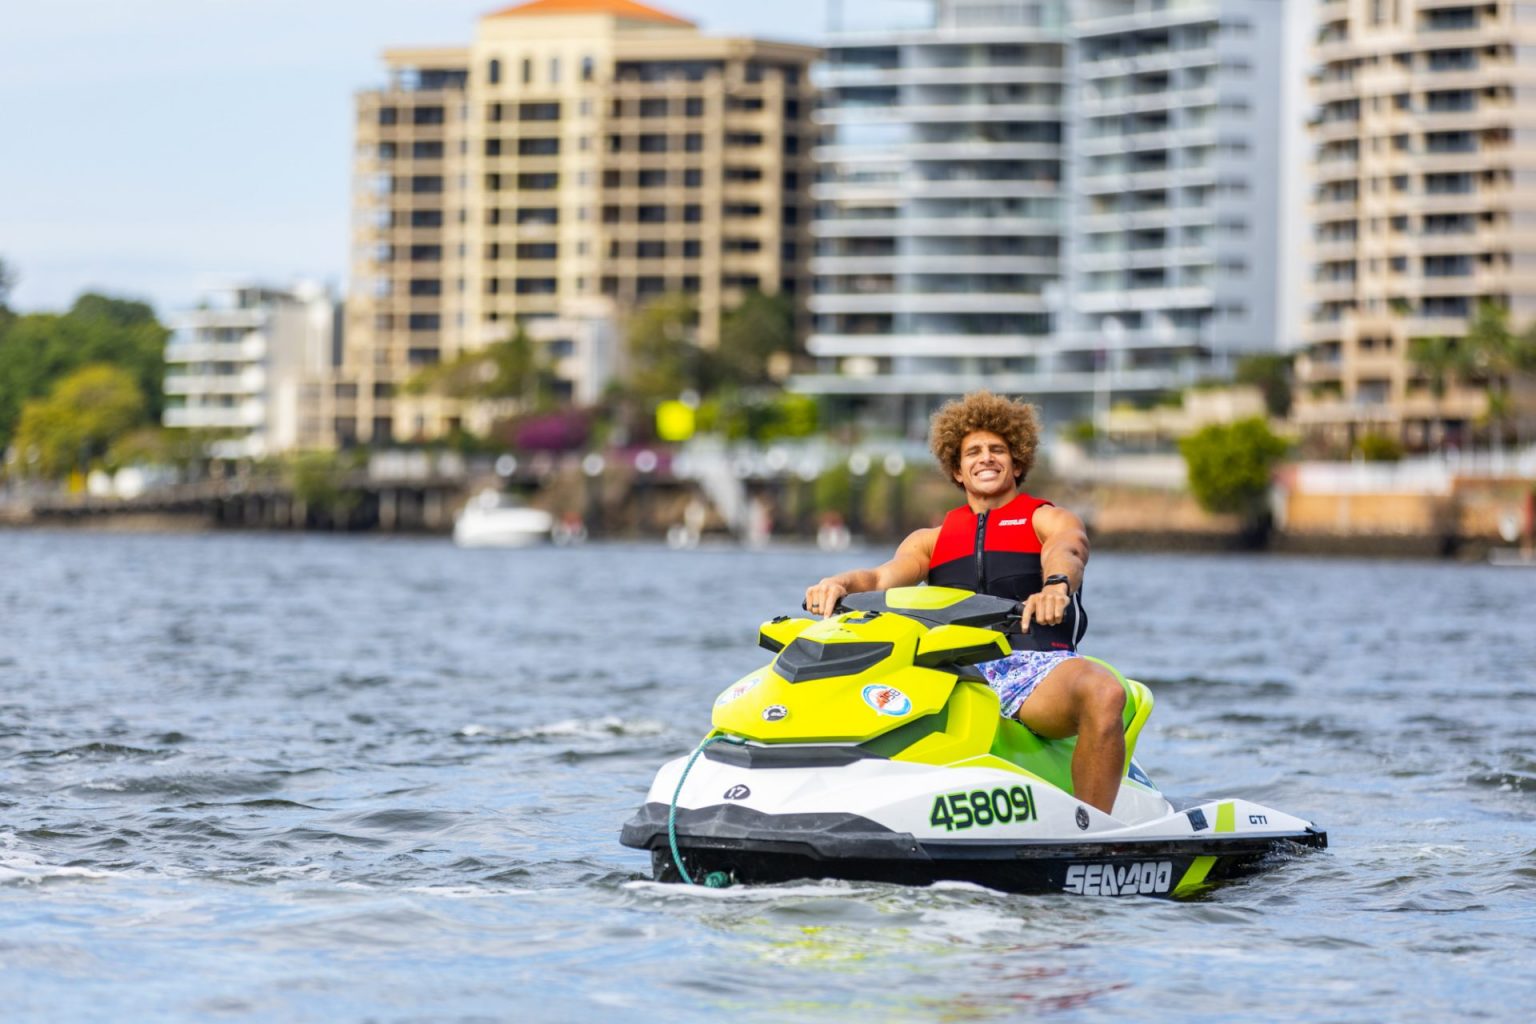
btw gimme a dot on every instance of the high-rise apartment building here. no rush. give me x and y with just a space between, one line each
577 152
245 364
1174 240
940 208
1422 207
1074 201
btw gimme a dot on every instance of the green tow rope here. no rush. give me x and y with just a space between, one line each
715 879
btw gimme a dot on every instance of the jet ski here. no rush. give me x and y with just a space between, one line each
871 748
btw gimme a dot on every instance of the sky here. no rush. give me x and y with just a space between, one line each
153 149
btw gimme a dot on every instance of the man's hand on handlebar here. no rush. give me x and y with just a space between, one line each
822 598
1047 607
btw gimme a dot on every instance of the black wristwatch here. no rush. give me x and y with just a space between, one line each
1058 578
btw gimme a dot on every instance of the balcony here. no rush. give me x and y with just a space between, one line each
1121 142
928 188
929 113
201 417
935 263
251 349
1167 99
958 150
251 381
1167 297
941 227
832 79
930 302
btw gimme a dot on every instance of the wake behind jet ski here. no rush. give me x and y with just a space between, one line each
870 748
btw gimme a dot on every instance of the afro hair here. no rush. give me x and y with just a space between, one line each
1011 420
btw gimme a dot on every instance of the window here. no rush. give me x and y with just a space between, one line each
427 115
1447 266
651 250
493 71
653 108
538 147
388 116
538 215
652 213
538 111
536 286
540 182
693 177
587 69
423 321
693 106
426 286
653 143
537 250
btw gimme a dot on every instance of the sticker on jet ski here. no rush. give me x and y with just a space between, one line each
981 807
1144 878
737 690
887 700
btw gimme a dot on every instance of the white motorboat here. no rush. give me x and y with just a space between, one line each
494 519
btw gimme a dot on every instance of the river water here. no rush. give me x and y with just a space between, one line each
249 777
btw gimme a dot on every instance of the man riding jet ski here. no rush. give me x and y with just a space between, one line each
936 659
872 748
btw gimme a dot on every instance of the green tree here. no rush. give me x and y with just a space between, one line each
1440 361
510 368
664 356
1271 373
39 349
75 425
1229 469
1494 355
751 335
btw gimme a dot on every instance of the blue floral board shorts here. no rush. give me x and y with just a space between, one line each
1015 677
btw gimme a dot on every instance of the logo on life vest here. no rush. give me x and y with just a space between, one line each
887 700
1014 522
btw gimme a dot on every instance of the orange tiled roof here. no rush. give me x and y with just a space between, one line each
618 8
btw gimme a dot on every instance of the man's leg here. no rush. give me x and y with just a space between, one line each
1080 698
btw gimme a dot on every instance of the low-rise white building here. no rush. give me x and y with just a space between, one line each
238 364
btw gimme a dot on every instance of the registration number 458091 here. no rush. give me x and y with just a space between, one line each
978 808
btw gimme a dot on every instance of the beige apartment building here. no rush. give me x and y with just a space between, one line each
577 159
1423 206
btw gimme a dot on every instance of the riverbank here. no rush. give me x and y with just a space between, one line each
1445 509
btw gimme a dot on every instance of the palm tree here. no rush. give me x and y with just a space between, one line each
1495 354
1441 361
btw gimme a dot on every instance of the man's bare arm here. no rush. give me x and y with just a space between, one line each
1063 552
907 567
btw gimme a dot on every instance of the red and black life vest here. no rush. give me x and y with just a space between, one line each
998 553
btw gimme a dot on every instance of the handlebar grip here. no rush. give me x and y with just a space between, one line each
837 609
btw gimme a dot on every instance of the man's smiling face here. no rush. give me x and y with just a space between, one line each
986 465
